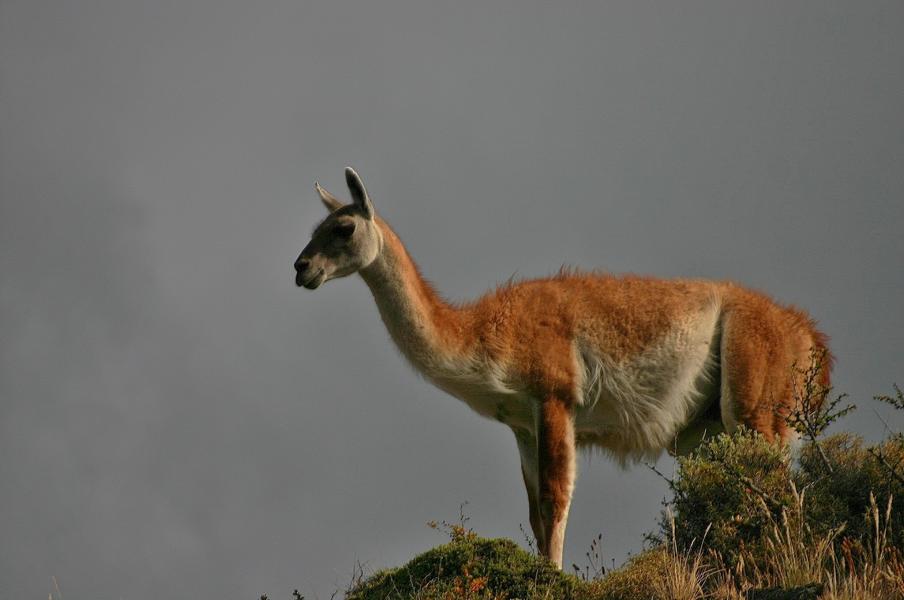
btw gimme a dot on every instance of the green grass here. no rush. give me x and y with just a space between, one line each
470 567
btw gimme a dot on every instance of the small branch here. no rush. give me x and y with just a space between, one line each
877 454
812 411
885 424
771 502
822 455
897 401
653 468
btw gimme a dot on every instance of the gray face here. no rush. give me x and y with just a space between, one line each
346 241
339 246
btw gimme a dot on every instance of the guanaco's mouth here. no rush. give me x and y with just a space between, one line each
311 282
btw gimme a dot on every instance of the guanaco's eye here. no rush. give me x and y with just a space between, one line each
344 230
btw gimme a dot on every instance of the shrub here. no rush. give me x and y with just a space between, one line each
721 487
843 496
727 480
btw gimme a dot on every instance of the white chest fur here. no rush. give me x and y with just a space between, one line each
485 388
636 407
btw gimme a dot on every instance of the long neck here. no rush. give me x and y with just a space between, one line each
427 329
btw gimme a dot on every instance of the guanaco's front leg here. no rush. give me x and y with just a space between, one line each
556 454
530 472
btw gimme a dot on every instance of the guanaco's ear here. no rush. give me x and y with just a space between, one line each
359 194
329 201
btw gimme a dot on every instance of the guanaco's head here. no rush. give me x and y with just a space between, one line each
346 241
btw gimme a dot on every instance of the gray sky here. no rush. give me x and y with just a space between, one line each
178 420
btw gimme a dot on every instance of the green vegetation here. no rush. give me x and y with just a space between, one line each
745 521
470 567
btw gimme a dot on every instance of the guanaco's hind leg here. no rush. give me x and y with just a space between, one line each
555 442
530 472
761 342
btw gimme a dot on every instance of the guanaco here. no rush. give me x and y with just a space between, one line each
633 365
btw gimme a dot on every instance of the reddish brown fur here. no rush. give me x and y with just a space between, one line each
531 324
768 345
557 455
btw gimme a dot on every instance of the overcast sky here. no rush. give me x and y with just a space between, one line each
178 420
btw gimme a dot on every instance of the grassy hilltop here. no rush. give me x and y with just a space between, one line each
745 521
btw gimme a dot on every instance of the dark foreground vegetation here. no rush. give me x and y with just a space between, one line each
745 521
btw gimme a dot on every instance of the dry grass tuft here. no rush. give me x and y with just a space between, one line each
794 555
686 573
635 580
875 572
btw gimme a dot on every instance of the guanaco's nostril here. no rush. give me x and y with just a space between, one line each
302 264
